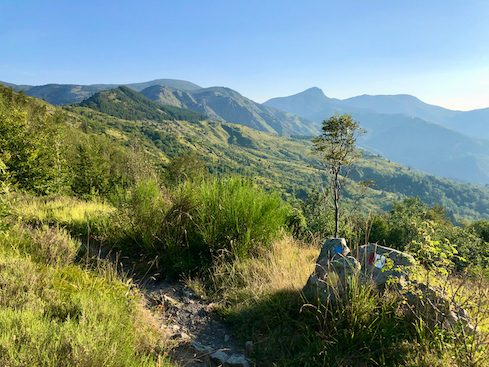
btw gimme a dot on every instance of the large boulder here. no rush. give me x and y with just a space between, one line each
337 265
333 269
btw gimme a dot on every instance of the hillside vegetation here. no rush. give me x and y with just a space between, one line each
165 195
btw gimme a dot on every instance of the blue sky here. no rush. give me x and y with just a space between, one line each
435 50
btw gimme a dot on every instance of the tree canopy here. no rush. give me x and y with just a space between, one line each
336 152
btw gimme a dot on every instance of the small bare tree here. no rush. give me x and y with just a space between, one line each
336 152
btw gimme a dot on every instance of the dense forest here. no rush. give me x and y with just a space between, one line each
220 204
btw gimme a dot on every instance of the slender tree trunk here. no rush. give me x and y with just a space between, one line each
336 205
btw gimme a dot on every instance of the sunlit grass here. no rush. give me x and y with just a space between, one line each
286 266
57 312
59 209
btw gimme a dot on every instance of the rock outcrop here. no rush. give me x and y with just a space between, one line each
337 266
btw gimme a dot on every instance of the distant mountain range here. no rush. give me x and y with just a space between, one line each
224 104
62 94
398 129
432 139
218 103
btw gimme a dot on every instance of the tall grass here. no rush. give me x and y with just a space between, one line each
235 215
55 312
189 227
284 266
49 245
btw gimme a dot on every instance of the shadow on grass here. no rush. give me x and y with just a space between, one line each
288 331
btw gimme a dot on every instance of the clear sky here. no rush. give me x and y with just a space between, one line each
436 50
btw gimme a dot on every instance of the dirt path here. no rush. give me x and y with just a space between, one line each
201 338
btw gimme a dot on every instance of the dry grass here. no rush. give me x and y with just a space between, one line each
286 266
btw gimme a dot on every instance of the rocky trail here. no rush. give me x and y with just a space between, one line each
200 337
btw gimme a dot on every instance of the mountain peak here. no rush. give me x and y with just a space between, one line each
314 91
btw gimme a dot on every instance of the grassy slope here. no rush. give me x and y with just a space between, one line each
60 309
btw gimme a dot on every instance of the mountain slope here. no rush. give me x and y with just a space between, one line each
475 123
127 104
224 104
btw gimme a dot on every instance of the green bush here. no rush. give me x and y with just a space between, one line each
234 215
145 209
199 221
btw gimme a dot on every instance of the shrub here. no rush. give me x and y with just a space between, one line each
234 215
199 221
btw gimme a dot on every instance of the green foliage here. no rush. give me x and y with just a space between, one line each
100 166
186 167
5 206
436 256
481 229
31 149
405 218
472 248
336 149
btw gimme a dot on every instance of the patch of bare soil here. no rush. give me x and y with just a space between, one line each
201 338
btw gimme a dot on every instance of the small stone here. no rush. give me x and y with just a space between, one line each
170 301
226 338
201 348
188 293
181 335
237 360
220 357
